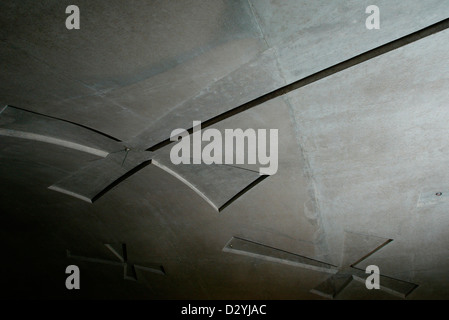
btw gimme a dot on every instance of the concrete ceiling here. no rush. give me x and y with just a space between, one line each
362 151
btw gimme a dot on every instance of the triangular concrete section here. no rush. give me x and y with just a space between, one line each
260 251
358 247
333 285
218 184
118 249
95 179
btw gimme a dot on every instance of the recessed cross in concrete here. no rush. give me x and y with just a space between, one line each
357 248
218 184
341 276
129 269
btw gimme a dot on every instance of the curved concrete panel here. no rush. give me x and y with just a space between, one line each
185 181
52 140
218 185
94 180
22 124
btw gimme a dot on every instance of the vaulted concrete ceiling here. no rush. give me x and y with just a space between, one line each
362 151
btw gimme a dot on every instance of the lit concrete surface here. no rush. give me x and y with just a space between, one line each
372 135
355 149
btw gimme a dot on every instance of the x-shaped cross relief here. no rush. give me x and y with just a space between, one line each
129 269
219 185
341 276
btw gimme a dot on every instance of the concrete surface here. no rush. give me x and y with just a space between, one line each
357 150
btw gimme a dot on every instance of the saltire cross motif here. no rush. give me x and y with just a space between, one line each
357 249
120 252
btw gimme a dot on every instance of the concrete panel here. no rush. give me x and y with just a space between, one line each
260 251
93 180
373 131
392 286
313 36
229 92
218 184
131 45
332 286
23 124
358 248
